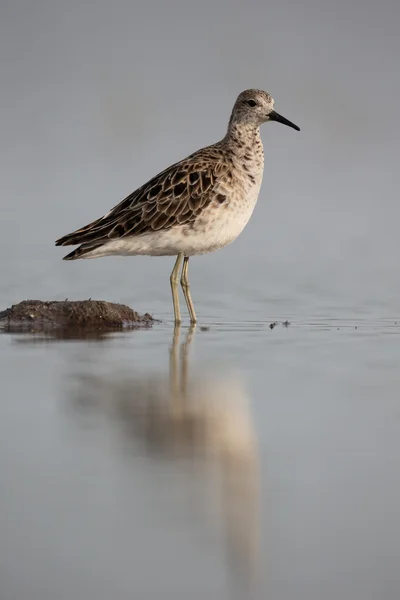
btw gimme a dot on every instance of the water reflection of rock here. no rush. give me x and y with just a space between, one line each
202 422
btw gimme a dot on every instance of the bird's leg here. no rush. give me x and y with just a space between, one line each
174 279
186 290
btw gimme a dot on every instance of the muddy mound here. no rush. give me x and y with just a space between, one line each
37 315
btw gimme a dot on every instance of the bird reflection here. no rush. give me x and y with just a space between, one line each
202 422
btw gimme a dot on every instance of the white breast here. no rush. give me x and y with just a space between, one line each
220 224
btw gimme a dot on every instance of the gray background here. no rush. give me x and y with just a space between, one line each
96 98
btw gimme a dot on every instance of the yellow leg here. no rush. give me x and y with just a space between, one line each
174 279
186 290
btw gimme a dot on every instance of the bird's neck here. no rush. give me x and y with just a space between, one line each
244 141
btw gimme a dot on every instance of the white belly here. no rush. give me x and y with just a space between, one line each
217 226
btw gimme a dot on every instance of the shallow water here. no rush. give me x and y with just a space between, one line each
237 461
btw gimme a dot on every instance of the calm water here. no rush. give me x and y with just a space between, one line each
233 462
236 462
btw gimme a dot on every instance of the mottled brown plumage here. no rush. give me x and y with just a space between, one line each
176 196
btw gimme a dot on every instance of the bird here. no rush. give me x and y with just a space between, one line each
195 206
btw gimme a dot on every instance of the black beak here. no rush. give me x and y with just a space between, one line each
274 116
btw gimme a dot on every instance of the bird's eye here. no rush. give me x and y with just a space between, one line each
251 102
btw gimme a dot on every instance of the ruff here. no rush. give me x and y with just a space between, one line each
197 205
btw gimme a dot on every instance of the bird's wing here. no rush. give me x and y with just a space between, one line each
174 197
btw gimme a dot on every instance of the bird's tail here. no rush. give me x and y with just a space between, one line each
81 251
88 237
